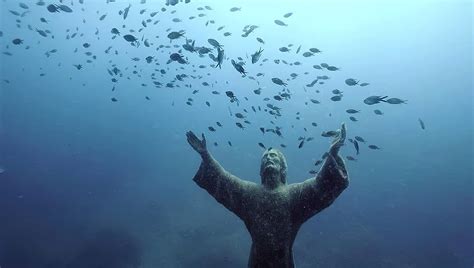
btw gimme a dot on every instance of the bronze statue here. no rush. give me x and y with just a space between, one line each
273 211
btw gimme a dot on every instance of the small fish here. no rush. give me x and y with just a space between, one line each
312 83
65 8
422 124
280 23
42 33
261 145
378 112
239 67
374 100
125 11
395 101
351 81
17 41
374 147
256 55
301 144
239 115
350 158
318 162
356 146
278 81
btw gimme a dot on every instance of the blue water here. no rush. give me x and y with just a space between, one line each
88 182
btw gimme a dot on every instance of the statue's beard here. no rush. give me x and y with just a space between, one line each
271 173
271 167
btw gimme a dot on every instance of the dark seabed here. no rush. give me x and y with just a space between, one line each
95 169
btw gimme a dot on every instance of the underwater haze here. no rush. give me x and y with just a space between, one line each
96 98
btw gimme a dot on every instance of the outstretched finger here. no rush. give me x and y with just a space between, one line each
343 132
189 138
192 137
203 140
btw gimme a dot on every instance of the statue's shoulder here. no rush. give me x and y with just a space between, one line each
249 186
293 186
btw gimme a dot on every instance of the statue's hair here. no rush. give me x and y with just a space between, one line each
284 165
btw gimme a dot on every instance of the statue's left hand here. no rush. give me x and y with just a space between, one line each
338 141
198 145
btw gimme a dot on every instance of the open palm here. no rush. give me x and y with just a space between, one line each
197 144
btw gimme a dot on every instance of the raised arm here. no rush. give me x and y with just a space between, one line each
315 194
226 188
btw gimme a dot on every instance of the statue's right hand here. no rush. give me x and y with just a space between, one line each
197 144
338 141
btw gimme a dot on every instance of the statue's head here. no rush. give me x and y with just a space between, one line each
273 167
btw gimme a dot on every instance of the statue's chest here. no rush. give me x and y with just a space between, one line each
270 217
271 206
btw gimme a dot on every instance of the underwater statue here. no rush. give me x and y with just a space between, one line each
272 211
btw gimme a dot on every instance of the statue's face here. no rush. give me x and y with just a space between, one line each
273 168
271 164
271 161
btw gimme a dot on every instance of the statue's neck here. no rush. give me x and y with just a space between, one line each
271 180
